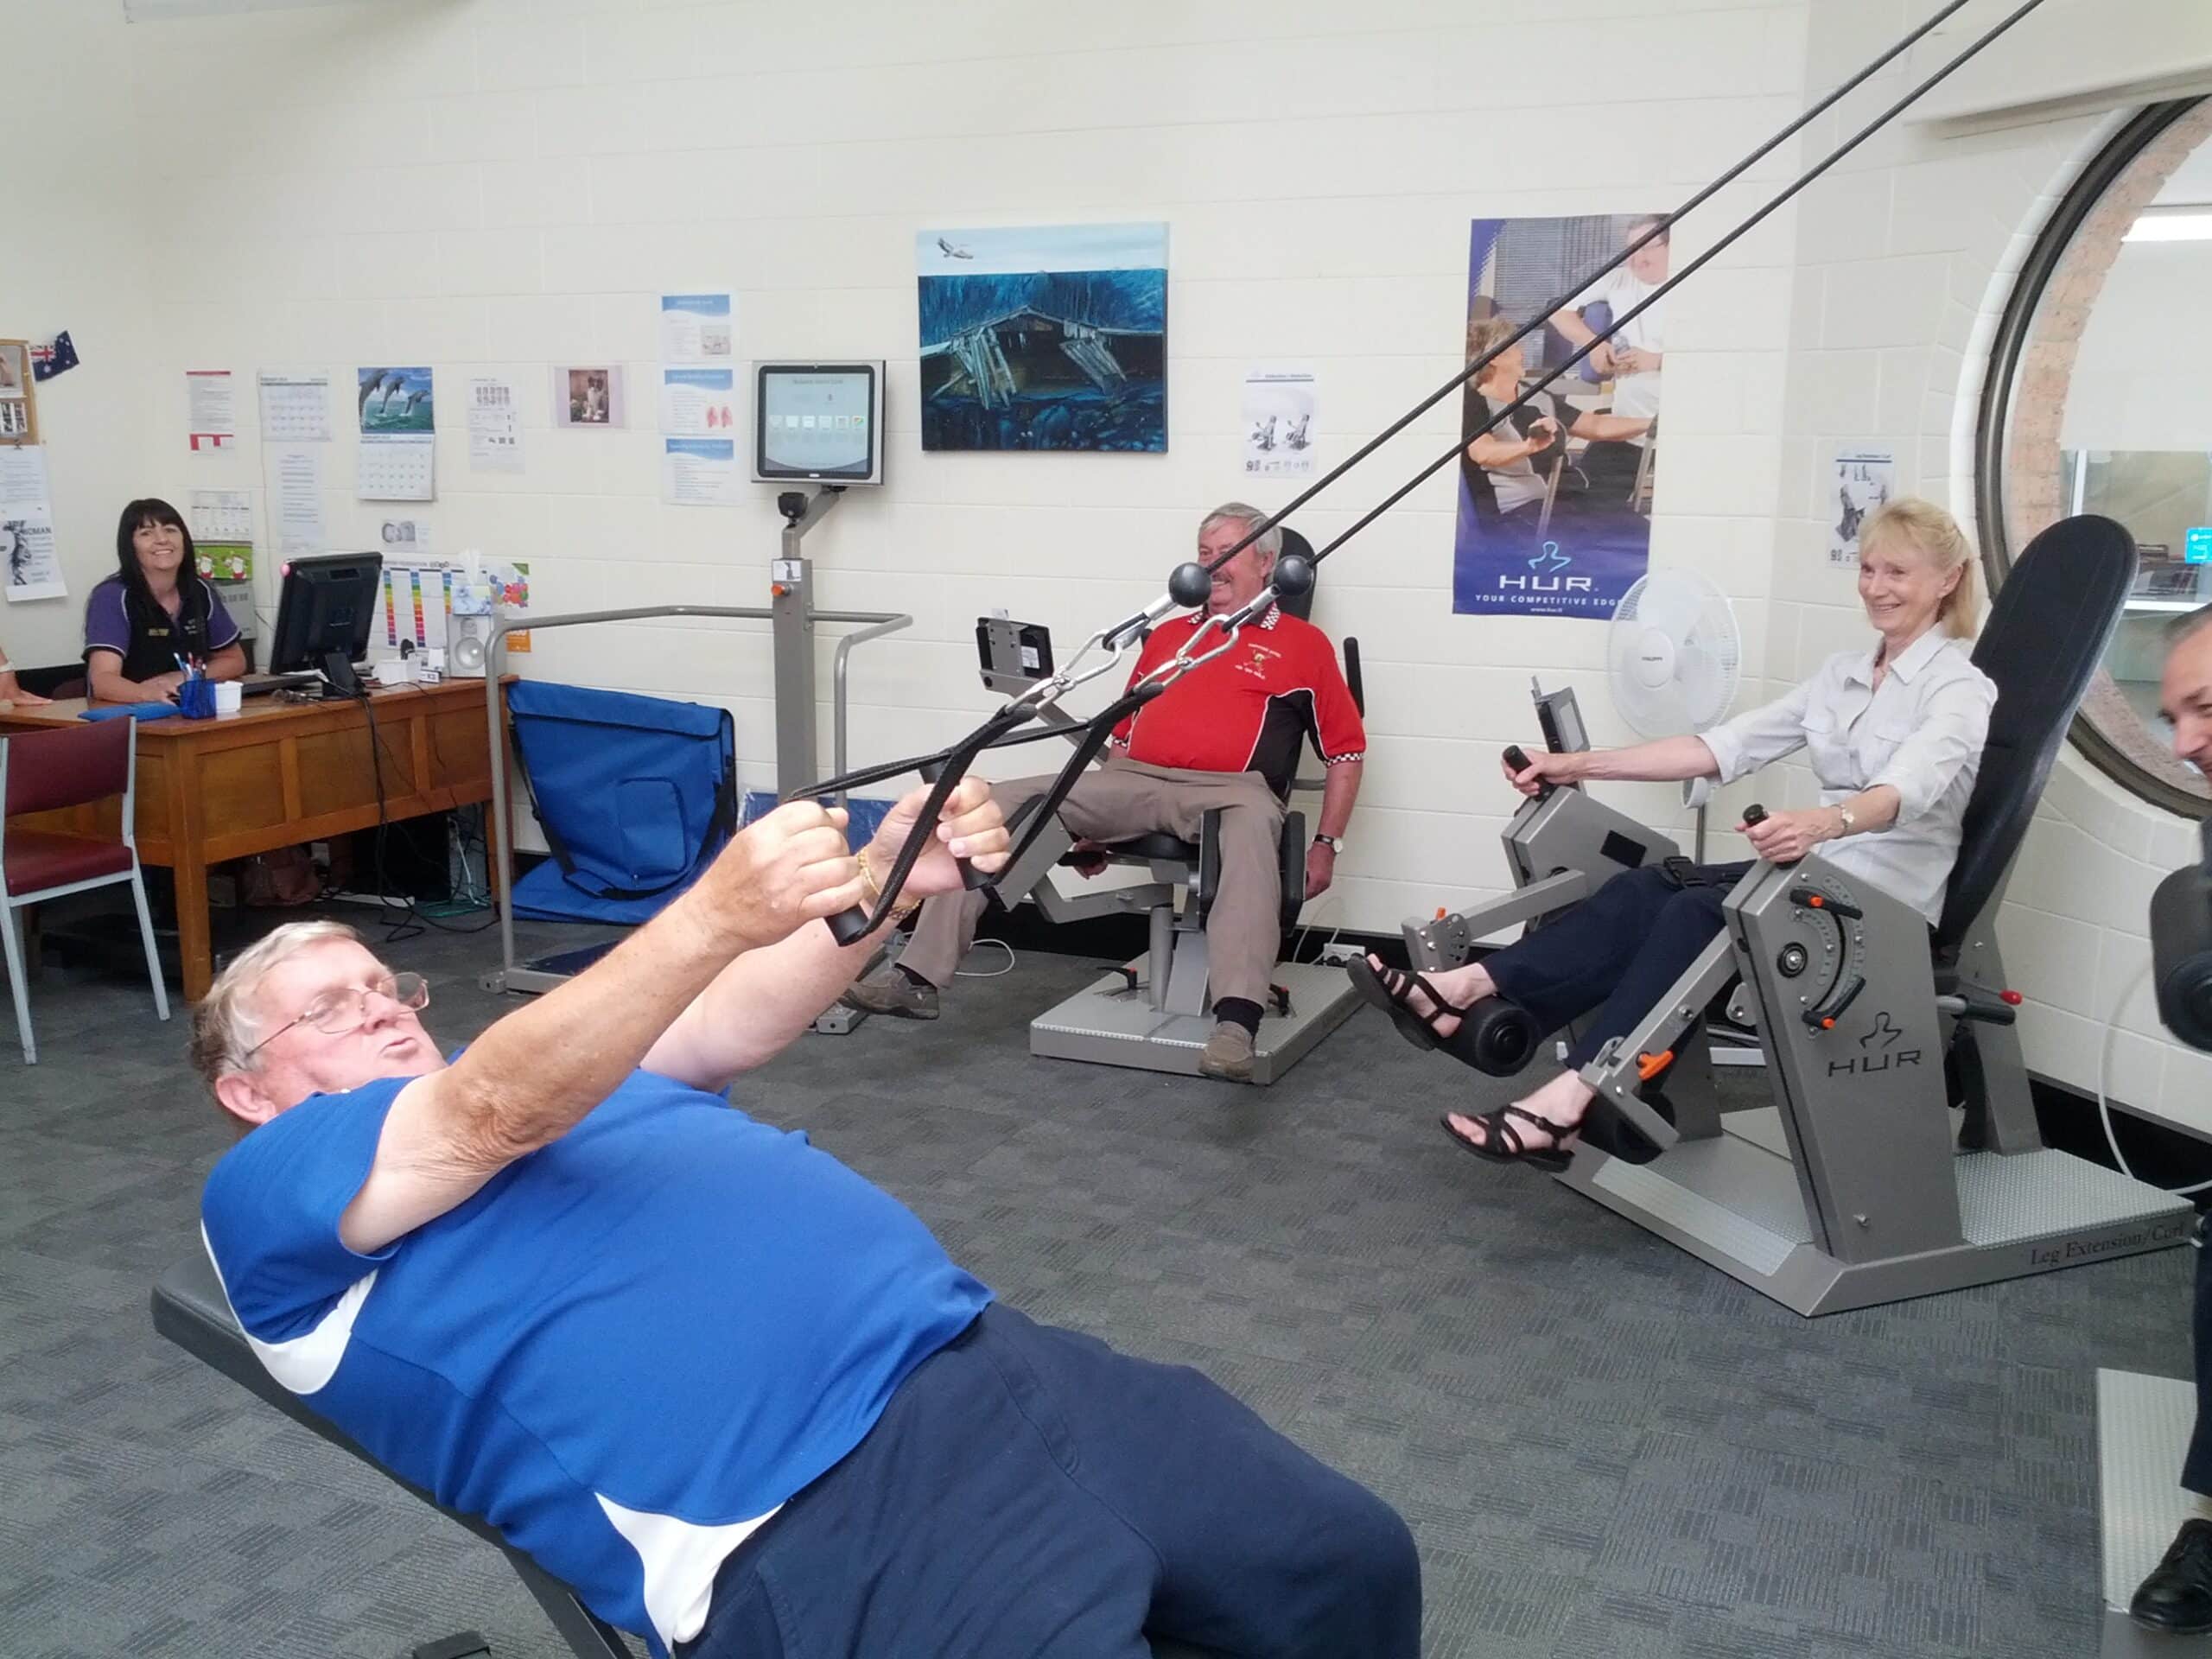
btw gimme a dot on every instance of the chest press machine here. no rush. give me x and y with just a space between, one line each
1854 1188
1153 1013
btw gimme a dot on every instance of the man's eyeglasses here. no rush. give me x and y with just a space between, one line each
336 1013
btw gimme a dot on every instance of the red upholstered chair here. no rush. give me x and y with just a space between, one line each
41 772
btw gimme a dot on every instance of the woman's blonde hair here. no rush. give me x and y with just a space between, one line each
1937 534
1485 333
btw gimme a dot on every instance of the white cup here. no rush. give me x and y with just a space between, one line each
230 696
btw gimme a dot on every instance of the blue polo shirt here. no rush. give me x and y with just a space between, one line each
625 1352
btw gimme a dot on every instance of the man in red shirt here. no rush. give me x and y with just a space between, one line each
1226 735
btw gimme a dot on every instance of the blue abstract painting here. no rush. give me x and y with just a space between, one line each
1044 337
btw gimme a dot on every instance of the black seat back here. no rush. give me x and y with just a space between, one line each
2046 635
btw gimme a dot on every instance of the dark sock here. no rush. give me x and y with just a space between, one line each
912 976
1238 1012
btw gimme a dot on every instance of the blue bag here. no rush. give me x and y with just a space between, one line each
635 796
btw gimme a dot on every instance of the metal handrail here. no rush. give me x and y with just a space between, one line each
879 623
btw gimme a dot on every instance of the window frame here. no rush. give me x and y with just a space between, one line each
1994 428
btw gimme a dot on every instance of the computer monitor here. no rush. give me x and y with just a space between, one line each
324 615
818 422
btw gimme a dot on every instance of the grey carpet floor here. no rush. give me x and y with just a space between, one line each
1603 1447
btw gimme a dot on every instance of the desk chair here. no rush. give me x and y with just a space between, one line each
190 1310
43 771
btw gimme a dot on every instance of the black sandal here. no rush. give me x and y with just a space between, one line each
1502 1142
1493 1035
1393 996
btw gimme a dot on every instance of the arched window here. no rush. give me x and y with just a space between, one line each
2099 399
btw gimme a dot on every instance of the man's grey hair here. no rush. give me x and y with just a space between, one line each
1237 512
2182 629
227 1026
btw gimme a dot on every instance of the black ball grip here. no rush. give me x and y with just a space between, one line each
1518 758
1755 813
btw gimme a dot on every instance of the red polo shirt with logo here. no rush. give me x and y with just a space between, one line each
1250 709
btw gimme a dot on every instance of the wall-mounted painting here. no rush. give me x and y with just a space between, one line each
1044 337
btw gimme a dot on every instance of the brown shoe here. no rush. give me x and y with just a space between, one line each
1227 1054
891 990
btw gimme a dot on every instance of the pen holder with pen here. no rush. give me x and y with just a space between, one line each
195 698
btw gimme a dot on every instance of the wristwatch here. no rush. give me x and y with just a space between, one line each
1334 843
1849 820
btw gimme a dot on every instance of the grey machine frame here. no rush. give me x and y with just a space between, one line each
1153 1013
1851 1190
791 618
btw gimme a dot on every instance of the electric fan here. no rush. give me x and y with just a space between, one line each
1674 659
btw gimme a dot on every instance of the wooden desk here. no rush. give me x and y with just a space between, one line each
277 773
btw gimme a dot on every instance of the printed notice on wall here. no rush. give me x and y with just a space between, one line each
297 470
698 328
1279 432
1864 480
212 410
698 402
699 472
29 564
27 548
494 427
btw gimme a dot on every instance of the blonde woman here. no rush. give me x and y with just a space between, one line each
1894 734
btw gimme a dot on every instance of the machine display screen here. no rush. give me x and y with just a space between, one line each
818 421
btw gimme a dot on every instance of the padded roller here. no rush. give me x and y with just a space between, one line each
1503 1035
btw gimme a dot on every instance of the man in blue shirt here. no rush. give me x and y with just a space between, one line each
737 1397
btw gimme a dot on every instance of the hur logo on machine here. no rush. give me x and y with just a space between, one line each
1877 1050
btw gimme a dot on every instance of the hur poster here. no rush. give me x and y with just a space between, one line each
1044 337
1554 513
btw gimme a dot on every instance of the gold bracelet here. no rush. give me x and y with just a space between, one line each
902 909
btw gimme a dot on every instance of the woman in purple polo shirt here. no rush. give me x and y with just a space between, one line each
153 612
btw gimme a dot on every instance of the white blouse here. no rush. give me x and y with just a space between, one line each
1921 733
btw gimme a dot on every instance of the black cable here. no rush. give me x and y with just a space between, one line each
1664 227
1659 293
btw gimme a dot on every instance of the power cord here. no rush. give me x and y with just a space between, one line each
996 973
2104 1081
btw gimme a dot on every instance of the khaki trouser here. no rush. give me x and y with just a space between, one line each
1127 797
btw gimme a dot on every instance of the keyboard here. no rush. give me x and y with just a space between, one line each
260 685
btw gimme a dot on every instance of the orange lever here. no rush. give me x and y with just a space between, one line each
1817 902
777 590
1649 1066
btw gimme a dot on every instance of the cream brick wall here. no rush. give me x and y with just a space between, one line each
81 257
497 185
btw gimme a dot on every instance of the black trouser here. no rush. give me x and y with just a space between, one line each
2196 1471
1029 1493
1618 952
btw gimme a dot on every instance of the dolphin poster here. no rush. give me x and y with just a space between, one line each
395 401
1555 500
